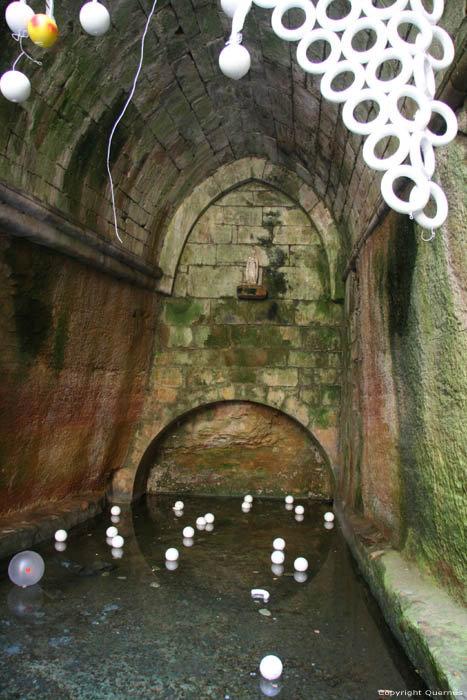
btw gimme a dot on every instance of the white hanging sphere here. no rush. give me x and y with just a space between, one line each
248 499
15 86
229 6
117 542
17 15
179 505
271 667
277 557
115 510
61 535
329 517
279 543
299 510
289 499
300 564
111 531
234 61
209 518
188 531
171 554
94 18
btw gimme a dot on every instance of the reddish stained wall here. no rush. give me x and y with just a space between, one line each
74 350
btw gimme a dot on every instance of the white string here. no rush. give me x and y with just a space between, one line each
135 80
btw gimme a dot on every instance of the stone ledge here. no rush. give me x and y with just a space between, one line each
24 530
428 623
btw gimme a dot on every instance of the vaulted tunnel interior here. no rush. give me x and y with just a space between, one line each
358 346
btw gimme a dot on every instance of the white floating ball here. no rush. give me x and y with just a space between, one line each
200 522
188 531
111 531
299 510
329 517
300 564
26 568
209 518
15 86
246 507
179 505
277 557
115 510
279 543
271 667
289 499
94 18
234 61
17 16
171 554
117 542
61 535
248 499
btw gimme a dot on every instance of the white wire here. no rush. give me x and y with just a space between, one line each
135 80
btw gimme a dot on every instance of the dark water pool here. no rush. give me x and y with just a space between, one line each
98 627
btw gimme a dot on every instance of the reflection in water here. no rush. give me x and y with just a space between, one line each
24 601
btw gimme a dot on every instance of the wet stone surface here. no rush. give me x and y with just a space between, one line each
99 627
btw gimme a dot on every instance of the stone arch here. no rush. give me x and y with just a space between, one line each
175 417
233 175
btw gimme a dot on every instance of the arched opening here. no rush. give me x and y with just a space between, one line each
231 447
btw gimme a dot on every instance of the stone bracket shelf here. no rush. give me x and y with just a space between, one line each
252 291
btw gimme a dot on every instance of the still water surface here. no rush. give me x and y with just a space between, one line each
98 627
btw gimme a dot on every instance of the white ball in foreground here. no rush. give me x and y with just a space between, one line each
277 557
111 531
300 564
271 667
329 517
279 543
248 498
179 505
188 531
200 522
94 18
234 61
299 510
117 542
61 535
15 86
246 506
171 554
115 510
17 15
209 518
289 499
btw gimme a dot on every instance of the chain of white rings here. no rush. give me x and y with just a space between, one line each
416 141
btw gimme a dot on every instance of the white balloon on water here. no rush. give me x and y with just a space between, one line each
271 667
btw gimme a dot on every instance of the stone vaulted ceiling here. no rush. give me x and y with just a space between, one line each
186 120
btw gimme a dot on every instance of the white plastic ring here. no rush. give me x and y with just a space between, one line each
423 74
383 12
451 124
297 33
434 15
423 114
402 78
372 160
337 25
365 127
379 29
448 49
266 4
342 67
422 154
441 209
424 39
318 35
419 195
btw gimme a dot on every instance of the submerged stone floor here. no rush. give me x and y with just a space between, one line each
102 627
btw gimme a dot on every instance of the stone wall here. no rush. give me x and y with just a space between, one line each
406 397
75 345
283 352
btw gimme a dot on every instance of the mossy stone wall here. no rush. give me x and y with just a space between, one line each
284 352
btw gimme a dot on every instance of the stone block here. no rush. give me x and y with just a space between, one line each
183 312
279 377
302 283
207 231
239 216
168 376
180 337
307 359
199 254
233 254
214 282
249 234
321 338
320 311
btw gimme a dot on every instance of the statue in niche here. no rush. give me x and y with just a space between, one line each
252 270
